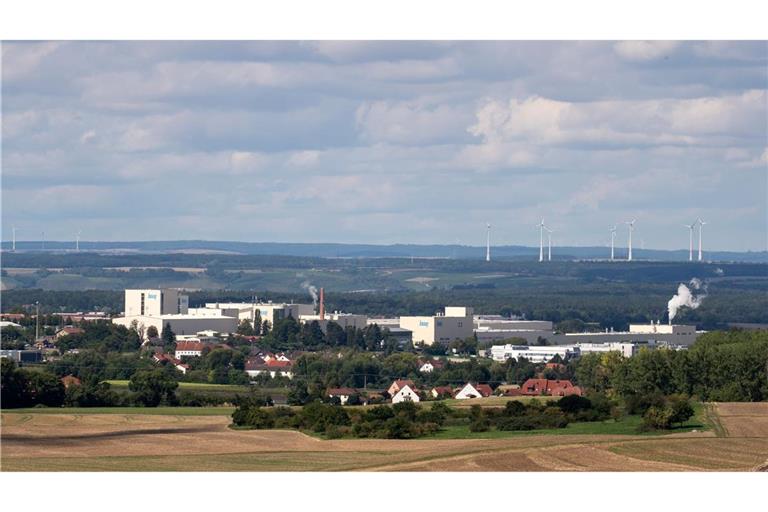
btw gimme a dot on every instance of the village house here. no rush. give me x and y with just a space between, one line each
406 394
442 391
343 394
189 348
539 387
159 357
273 367
428 366
398 385
67 331
474 391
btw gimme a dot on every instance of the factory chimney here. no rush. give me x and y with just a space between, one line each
322 305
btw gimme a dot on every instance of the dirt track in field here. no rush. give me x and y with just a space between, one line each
135 442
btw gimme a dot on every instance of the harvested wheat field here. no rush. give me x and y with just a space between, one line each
144 442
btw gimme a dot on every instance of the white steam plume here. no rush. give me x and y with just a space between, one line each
686 298
312 291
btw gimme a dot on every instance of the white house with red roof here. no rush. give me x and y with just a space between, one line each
406 394
398 385
274 367
474 391
189 348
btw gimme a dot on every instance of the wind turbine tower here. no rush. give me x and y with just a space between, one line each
13 244
549 244
613 240
690 240
631 225
541 240
77 241
701 224
488 244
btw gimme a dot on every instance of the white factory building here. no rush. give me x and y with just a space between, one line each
343 319
273 312
533 354
672 334
161 307
455 323
496 328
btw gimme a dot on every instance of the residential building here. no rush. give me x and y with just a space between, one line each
442 391
257 366
398 385
538 387
189 348
67 331
406 394
343 394
428 366
473 391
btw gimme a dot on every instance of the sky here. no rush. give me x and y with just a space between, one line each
386 142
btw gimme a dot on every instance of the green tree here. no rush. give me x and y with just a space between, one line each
245 328
151 387
152 332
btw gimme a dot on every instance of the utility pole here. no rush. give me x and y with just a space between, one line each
37 321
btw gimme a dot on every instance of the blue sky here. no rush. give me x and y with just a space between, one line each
386 142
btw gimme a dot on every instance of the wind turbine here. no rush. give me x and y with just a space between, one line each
77 240
541 239
42 243
549 244
613 239
631 225
701 223
690 240
488 244
13 244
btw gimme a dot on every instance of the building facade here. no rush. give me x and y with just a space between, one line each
455 324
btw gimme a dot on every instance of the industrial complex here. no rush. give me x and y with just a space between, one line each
506 338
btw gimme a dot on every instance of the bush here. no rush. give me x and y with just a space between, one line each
657 418
574 403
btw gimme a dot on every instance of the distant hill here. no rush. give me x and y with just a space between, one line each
330 250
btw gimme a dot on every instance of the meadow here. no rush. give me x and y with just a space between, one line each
171 439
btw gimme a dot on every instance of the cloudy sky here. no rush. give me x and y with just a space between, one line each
386 142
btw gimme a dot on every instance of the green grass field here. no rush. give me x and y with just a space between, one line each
194 386
628 425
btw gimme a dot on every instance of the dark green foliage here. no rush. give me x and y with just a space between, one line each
573 403
91 394
153 387
727 366
25 388
675 409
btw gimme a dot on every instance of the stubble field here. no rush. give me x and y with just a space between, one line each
58 441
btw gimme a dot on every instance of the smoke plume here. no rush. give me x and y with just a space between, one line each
685 297
312 291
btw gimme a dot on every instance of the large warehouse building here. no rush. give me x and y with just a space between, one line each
169 307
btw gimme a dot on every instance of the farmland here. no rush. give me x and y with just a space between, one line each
174 440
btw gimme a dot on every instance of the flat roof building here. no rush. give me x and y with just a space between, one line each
455 323
169 307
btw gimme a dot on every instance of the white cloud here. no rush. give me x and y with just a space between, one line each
88 137
304 158
644 50
412 122
526 126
